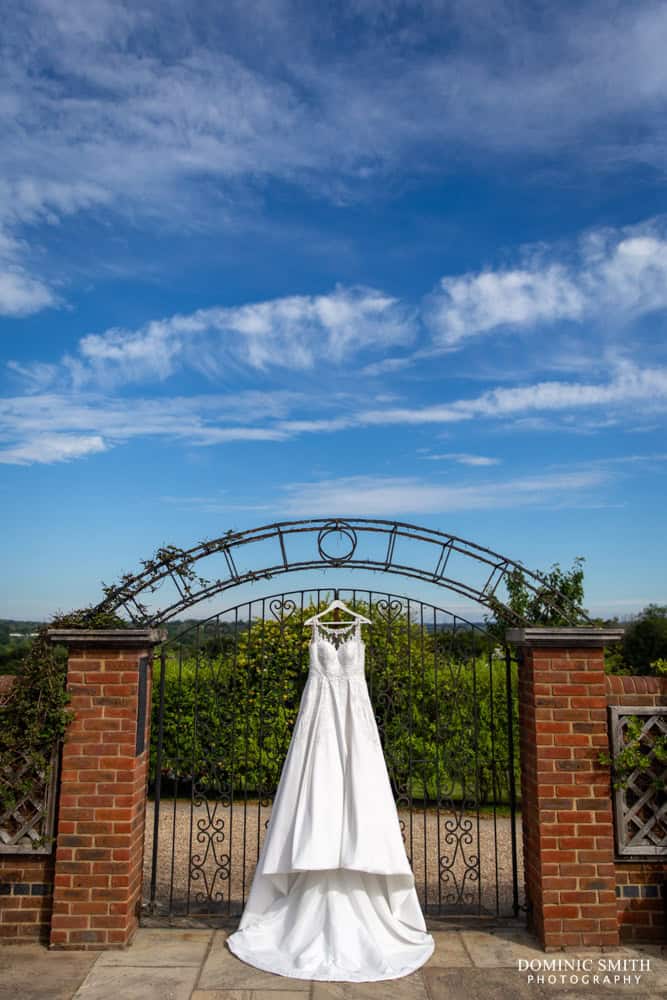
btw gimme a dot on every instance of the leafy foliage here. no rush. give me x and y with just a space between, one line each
90 617
15 639
175 563
645 640
439 697
540 607
34 715
638 753
33 718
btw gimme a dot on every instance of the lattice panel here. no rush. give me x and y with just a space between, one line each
27 828
640 809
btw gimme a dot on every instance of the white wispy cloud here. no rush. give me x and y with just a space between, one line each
295 333
218 418
21 294
645 387
49 448
219 503
392 495
462 458
163 92
47 427
476 303
109 107
615 276
387 366
657 459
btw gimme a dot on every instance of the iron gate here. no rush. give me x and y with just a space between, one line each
225 695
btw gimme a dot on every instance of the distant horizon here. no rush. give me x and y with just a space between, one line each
626 617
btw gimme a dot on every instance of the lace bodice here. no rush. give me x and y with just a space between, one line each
338 651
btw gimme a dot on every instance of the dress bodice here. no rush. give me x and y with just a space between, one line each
337 660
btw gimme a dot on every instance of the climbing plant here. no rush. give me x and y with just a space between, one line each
537 608
34 717
639 755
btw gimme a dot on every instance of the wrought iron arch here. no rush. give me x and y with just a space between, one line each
180 566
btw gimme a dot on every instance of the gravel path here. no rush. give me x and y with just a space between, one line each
223 866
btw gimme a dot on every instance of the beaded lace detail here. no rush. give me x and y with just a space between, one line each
337 635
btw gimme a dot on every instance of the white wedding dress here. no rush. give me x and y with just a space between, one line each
333 895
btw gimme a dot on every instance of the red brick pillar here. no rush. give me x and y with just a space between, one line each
102 802
568 836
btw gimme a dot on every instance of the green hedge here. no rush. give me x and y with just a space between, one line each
229 710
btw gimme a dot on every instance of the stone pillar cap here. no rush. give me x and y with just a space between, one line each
113 637
577 636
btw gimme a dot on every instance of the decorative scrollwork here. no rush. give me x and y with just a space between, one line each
282 609
389 610
457 867
209 866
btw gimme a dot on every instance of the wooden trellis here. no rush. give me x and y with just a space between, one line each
640 809
27 827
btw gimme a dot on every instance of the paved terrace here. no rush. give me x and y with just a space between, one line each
186 964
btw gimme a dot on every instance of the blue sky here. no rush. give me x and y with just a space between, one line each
267 260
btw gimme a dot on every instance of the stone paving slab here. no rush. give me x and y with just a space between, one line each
108 982
657 955
32 972
222 968
408 988
450 951
479 984
195 964
493 949
165 947
596 991
247 995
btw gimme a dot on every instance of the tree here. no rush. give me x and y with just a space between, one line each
540 607
645 639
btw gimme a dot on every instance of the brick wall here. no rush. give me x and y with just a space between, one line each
626 689
641 885
99 856
26 891
566 808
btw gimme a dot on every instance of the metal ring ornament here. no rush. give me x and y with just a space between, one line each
336 528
